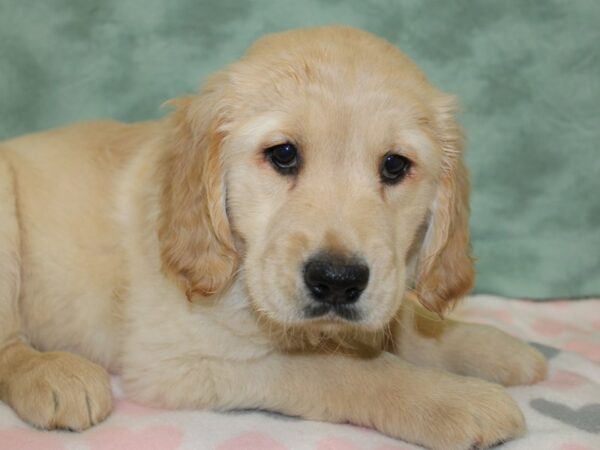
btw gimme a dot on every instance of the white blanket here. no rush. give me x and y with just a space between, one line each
563 413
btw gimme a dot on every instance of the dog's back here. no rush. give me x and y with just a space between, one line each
75 258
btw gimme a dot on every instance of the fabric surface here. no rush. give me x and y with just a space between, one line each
527 73
563 412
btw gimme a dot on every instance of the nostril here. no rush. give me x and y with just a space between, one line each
352 294
335 280
320 290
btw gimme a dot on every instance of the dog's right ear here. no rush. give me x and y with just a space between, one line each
196 243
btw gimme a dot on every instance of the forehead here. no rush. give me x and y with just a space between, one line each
345 115
315 85
339 92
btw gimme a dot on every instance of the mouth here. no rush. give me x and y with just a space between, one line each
332 312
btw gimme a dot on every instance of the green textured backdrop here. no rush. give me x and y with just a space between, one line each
527 74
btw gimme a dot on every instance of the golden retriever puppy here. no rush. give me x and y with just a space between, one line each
264 246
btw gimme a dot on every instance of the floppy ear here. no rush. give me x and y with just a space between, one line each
445 271
196 244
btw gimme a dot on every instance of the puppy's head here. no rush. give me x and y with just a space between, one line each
327 166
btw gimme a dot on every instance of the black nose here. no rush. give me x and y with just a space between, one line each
335 280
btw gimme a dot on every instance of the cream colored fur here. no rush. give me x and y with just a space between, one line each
170 253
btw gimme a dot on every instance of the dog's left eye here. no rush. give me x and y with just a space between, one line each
284 158
394 168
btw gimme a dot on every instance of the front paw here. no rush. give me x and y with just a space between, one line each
60 390
456 413
477 415
522 364
485 352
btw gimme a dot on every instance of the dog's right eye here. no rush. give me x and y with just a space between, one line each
284 158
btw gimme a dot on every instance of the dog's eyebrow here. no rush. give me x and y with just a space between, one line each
419 145
261 126
260 131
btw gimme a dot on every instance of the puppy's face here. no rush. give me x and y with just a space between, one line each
339 170
327 193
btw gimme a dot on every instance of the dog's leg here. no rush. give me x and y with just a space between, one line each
482 351
10 277
425 406
49 390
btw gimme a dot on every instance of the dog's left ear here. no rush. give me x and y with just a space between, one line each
445 270
196 243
